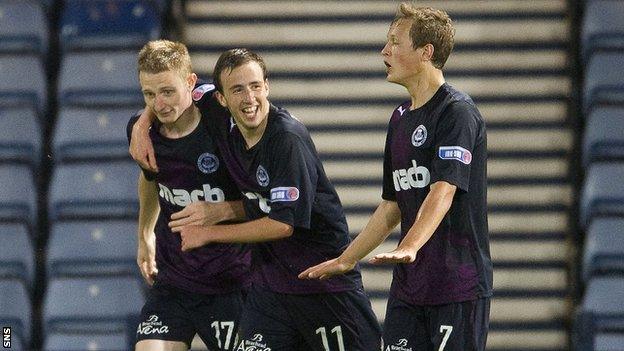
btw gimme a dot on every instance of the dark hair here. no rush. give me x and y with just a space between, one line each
233 58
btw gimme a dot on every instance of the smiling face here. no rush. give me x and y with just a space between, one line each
403 62
167 94
245 93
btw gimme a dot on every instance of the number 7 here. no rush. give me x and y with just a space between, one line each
447 330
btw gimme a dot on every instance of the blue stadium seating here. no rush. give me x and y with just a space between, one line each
603 191
118 341
609 342
107 78
17 195
602 26
15 310
94 191
92 305
603 85
109 24
16 253
23 82
604 247
20 139
603 139
80 248
91 133
23 27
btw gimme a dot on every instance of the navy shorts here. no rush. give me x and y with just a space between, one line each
176 315
341 321
461 326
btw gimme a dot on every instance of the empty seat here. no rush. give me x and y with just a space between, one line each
80 248
23 27
23 82
110 24
15 310
19 135
603 139
609 342
94 191
92 305
91 133
88 341
602 26
603 191
604 247
604 82
106 78
16 253
17 195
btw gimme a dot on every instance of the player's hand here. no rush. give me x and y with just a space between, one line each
141 148
398 255
194 236
197 213
327 269
146 259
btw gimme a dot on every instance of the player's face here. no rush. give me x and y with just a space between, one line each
167 94
403 63
245 94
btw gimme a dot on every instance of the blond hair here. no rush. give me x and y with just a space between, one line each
164 55
429 26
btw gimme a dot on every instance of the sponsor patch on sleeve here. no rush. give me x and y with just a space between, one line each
284 193
199 92
455 153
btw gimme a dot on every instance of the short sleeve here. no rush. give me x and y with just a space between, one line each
388 192
151 176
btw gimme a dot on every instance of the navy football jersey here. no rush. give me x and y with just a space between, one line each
283 177
191 169
444 140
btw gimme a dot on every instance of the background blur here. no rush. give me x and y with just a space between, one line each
546 74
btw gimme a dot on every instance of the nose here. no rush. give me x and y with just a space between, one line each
249 95
384 50
158 103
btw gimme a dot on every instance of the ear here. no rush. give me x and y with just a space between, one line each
221 98
266 85
428 50
191 80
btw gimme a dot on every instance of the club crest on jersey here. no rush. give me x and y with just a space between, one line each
199 92
262 176
400 345
207 163
455 153
284 193
419 136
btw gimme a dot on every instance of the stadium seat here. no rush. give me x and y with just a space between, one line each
106 78
16 253
609 342
87 341
23 82
19 136
108 24
91 133
603 139
23 27
17 195
81 248
603 191
604 248
94 191
602 27
15 310
604 83
92 305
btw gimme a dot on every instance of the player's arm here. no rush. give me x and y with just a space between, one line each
148 213
431 212
263 229
379 226
208 213
141 147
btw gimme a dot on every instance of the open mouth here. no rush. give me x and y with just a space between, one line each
250 111
387 64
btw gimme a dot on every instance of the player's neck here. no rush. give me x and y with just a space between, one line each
424 86
184 125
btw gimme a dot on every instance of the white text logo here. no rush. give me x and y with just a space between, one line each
413 177
182 197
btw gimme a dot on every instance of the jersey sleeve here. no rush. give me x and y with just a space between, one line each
456 136
293 184
151 176
388 192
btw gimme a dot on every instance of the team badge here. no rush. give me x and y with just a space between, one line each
199 92
419 136
207 163
284 193
262 176
455 153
